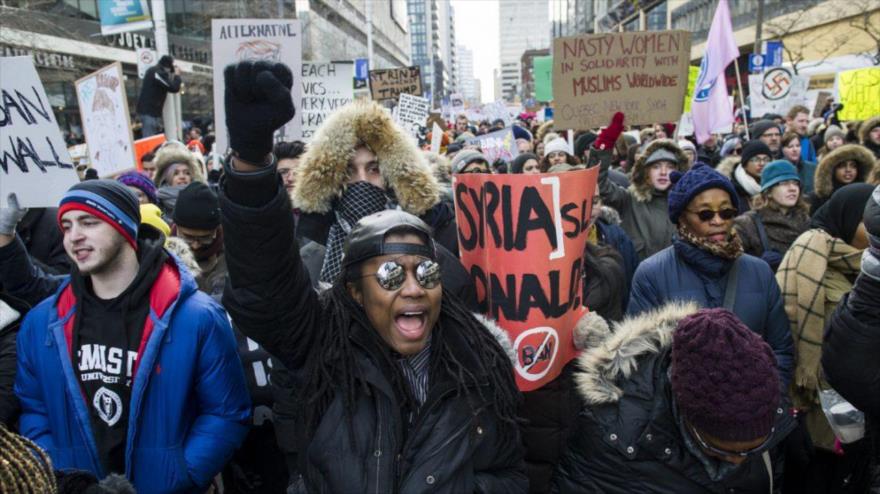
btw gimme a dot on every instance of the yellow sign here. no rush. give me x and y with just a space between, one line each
693 73
860 93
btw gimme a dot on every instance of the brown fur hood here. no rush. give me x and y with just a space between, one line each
866 126
176 153
824 182
323 173
613 356
640 184
727 166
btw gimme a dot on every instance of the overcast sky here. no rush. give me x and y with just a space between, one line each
476 27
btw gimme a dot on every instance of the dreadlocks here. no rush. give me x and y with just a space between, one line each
24 467
333 370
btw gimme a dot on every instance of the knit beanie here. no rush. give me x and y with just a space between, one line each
140 181
778 171
686 144
197 207
758 128
724 377
832 131
754 148
521 133
583 142
688 185
107 200
556 145
465 158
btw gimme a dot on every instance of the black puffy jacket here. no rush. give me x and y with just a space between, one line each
449 448
158 82
627 438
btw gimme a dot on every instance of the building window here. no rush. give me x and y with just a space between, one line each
632 25
655 19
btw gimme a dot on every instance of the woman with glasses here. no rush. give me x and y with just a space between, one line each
746 176
779 216
706 264
847 164
791 151
677 400
816 273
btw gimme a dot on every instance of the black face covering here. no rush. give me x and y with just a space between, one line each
359 199
842 214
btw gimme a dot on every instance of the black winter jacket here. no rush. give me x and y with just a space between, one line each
43 239
158 82
627 438
448 448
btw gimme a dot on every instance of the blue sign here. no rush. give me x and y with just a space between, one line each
756 63
361 73
120 16
773 54
548 113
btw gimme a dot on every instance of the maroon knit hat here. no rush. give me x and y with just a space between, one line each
724 376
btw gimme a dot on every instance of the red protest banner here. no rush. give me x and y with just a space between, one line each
522 239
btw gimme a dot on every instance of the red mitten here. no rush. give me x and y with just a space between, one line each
608 136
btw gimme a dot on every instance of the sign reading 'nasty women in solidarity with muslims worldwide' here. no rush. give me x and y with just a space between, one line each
643 74
522 239
34 163
389 84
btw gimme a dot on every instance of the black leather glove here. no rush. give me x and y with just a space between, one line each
258 102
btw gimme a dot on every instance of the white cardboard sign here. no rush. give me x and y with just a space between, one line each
234 40
34 162
412 112
776 91
103 108
326 87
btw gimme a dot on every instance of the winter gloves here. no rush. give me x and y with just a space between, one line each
10 216
871 257
258 102
608 136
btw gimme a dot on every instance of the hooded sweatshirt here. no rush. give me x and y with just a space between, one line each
106 337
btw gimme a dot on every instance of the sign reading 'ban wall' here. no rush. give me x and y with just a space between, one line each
522 239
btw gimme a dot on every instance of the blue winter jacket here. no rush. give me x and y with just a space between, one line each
614 236
189 406
685 272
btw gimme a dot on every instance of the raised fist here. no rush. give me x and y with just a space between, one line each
258 102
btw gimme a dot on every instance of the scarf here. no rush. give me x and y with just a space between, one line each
730 249
746 181
800 277
359 199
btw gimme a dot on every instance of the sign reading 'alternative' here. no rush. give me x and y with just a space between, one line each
643 74
522 239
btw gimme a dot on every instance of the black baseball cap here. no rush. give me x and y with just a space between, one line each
367 238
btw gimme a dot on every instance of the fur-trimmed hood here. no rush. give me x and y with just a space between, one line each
615 356
499 334
728 165
640 184
824 182
176 153
866 126
323 173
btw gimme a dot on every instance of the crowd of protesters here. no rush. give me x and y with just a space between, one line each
294 317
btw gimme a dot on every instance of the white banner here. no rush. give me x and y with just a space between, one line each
776 91
412 112
34 162
326 87
234 40
104 110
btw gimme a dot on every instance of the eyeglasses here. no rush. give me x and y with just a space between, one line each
201 239
721 452
760 159
392 274
706 215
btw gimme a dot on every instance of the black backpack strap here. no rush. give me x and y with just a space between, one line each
762 233
730 289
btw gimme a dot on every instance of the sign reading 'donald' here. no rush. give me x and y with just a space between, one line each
522 239
389 84
643 74
34 162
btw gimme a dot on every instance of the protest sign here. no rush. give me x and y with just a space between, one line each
103 107
776 90
234 40
497 110
122 16
411 112
860 93
146 58
643 74
436 138
496 145
522 239
34 163
144 146
542 73
693 74
819 100
389 84
326 87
